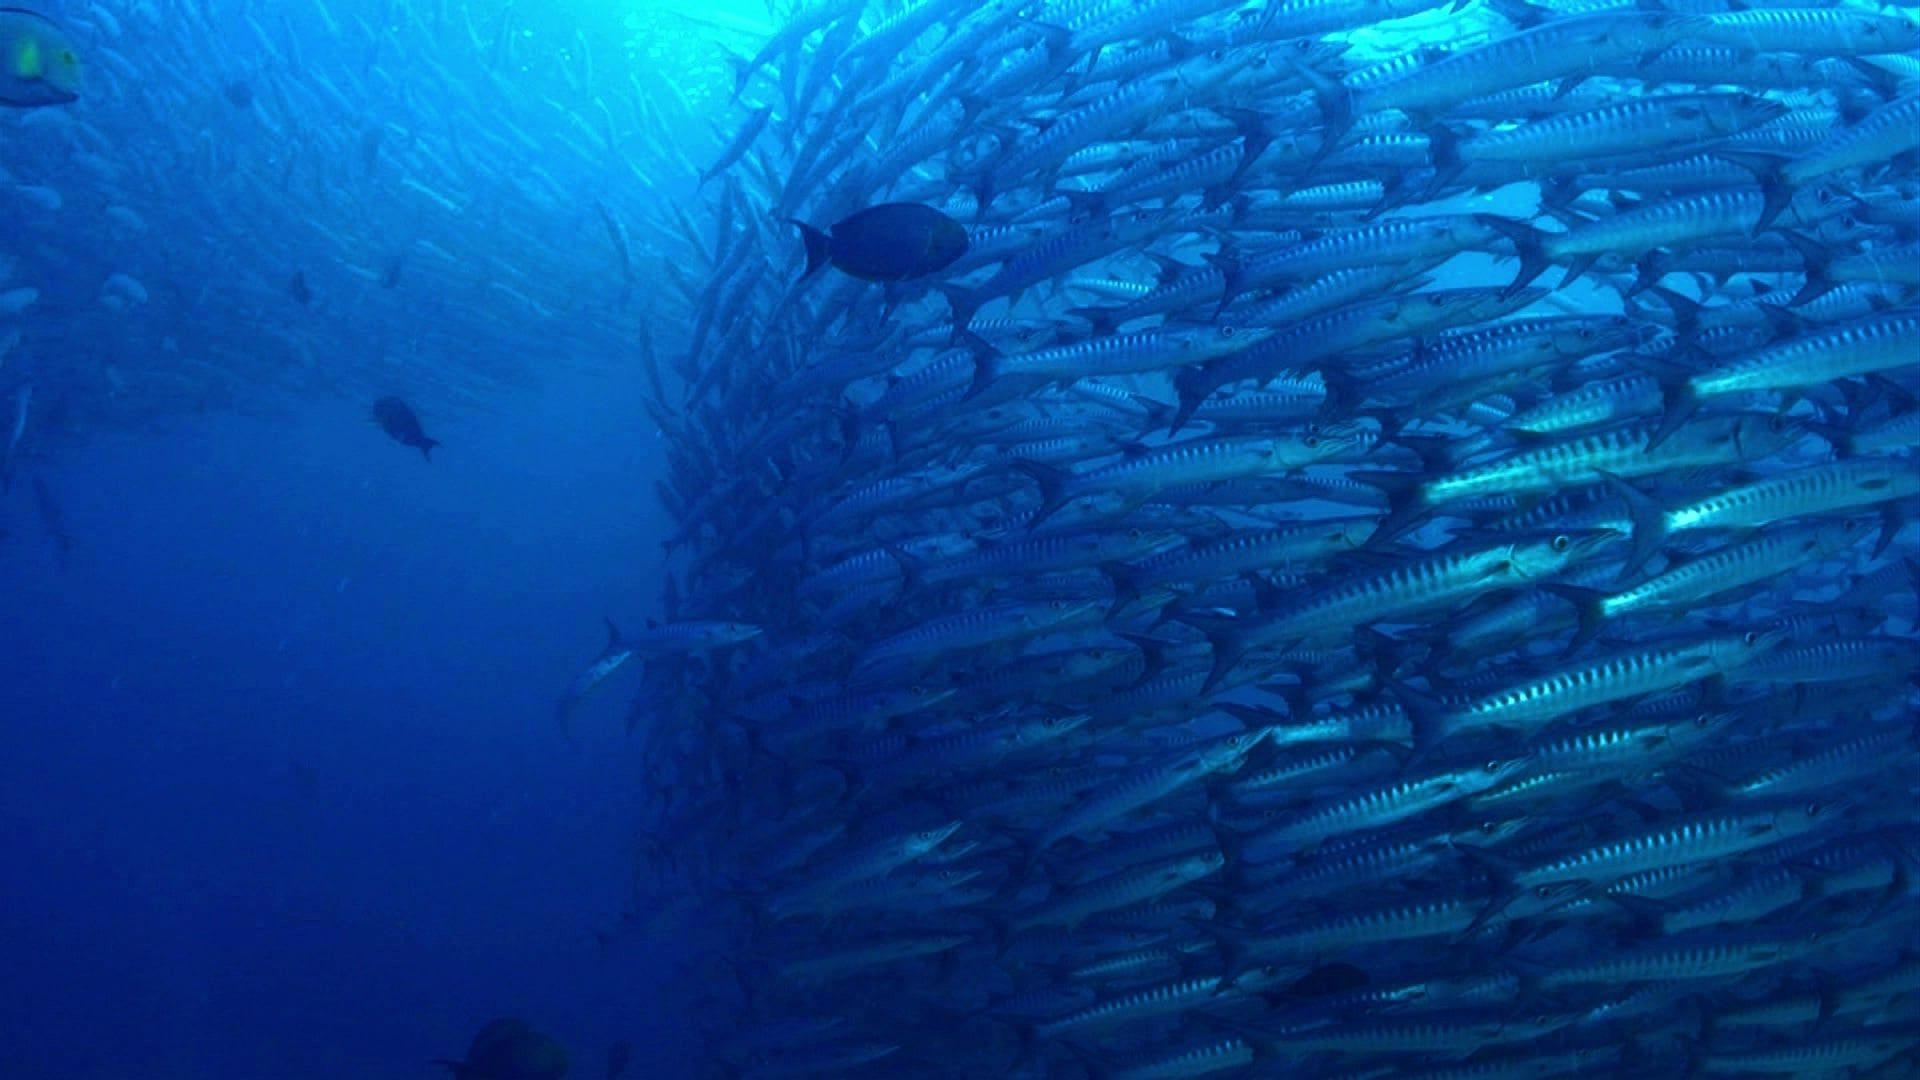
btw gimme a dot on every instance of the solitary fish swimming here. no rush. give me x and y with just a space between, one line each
611 659
38 65
510 1050
888 242
398 419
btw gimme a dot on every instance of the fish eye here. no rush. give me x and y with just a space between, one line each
1562 542
1226 331
1586 332
1542 892
1813 809
1311 441
1493 766
1133 533
1703 720
1750 637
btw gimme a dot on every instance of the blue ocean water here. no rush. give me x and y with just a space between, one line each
281 793
282 796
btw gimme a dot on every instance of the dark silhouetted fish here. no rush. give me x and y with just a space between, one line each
239 94
398 419
508 1049
889 242
298 289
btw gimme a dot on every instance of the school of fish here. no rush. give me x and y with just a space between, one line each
236 206
1385 553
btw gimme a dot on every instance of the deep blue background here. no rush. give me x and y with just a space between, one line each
249 596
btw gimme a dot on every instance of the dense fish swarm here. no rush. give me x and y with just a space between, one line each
1386 557
253 205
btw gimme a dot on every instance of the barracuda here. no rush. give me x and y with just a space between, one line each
1562 49
1140 477
1307 346
1377 808
1148 786
1750 562
1125 354
1422 585
1869 346
1625 452
1687 841
1123 889
1292 744
1631 127
1828 488
1001 624
1525 706
1707 957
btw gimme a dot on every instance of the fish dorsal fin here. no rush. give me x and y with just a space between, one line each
613 634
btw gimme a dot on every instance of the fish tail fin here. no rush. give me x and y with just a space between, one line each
1052 483
819 247
1649 522
1444 148
1686 311
1528 244
1082 205
1426 717
743 70
987 362
426 449
1588 605
1405 511
1194 387
1126 583
913 569
1099 319
964 303
1776 193
1228 646
1816 259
